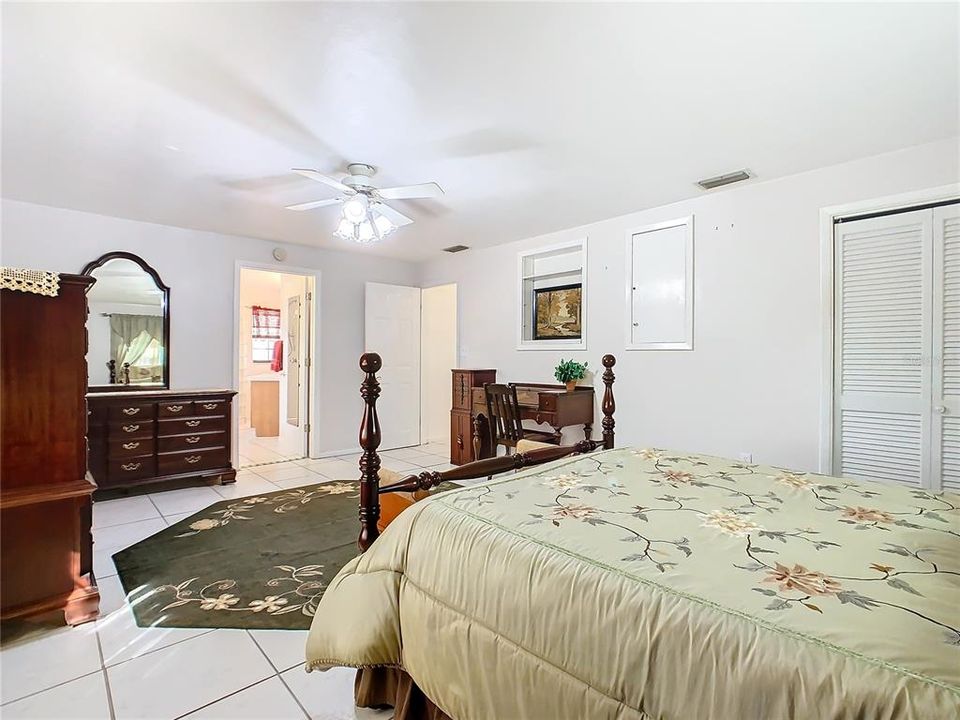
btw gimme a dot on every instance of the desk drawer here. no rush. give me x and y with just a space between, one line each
197 441
530 398
182 462
130 447
191 426
213 406
132 411
132 468
131 429
176 409
548 402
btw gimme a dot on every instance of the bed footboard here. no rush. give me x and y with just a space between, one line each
370 437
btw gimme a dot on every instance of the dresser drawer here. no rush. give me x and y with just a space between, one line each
129 447
131 429
191 426
183 462
213 406
132 468
548 402
132 411
197 441
175 409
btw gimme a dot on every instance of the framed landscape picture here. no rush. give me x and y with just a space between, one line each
557 312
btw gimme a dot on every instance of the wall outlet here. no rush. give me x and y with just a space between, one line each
746 457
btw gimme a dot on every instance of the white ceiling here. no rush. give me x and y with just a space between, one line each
533 117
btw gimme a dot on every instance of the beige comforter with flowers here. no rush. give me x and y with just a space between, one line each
653 584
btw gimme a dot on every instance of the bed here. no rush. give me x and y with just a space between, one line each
644 583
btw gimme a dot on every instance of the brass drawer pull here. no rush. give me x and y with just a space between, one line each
192 439
131 411
174 408
131 428
210 406
192 459
131 445
130 466
192 423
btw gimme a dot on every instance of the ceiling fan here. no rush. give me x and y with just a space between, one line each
364 217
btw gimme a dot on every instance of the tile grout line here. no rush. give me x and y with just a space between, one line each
106 676
159 649
280 675
223 697
5 703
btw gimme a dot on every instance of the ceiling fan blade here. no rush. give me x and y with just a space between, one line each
325 179
411 192
394 216
313 204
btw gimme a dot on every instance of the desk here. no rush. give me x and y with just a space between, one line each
541 402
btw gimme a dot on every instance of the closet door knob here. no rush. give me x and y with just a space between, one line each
942 409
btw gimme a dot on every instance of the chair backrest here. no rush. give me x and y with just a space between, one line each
503 413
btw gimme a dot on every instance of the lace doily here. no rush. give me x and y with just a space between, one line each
39 282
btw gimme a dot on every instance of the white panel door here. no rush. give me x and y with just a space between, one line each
945 418
393 331
883 326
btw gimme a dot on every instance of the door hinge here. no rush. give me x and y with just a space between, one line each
309 297
306 427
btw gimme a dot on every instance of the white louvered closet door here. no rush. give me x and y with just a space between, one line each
883 329
945 420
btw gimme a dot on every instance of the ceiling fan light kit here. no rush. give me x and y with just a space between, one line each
364 217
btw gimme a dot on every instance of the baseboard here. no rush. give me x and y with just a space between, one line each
332 453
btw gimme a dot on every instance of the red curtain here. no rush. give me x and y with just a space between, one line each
266 323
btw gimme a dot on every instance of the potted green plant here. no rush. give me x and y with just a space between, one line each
568 372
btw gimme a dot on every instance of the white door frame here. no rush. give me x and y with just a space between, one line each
313 388
827 216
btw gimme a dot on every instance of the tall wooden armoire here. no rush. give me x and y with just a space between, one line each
46 547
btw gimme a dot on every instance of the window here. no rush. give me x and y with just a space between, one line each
264 333
553 295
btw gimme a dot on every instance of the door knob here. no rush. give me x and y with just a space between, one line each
942 409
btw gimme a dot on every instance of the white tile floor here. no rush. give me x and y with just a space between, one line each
113 670
253 450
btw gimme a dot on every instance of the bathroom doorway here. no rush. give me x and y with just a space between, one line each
274 361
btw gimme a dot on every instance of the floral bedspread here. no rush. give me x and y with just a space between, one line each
661 580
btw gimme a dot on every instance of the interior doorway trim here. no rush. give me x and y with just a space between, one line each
313 397
828 217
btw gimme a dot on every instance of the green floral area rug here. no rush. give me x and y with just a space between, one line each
255 562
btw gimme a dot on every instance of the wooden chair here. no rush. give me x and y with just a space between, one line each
503 418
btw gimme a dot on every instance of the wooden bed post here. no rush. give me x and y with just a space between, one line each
609 405
370 363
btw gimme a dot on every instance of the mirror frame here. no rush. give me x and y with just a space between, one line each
120 255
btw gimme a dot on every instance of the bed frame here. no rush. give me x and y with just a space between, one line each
370 437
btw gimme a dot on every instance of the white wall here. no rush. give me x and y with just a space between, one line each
752 383
200 269
438 355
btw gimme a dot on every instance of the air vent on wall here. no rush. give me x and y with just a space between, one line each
721 180
455 248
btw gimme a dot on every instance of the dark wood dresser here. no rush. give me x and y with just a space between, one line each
461 415
46 546
138 437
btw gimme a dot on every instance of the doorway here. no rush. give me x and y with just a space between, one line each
274 359
415 332
438 353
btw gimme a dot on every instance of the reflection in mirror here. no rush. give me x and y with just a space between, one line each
126 327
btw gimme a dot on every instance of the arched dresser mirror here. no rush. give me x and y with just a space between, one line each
128 329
